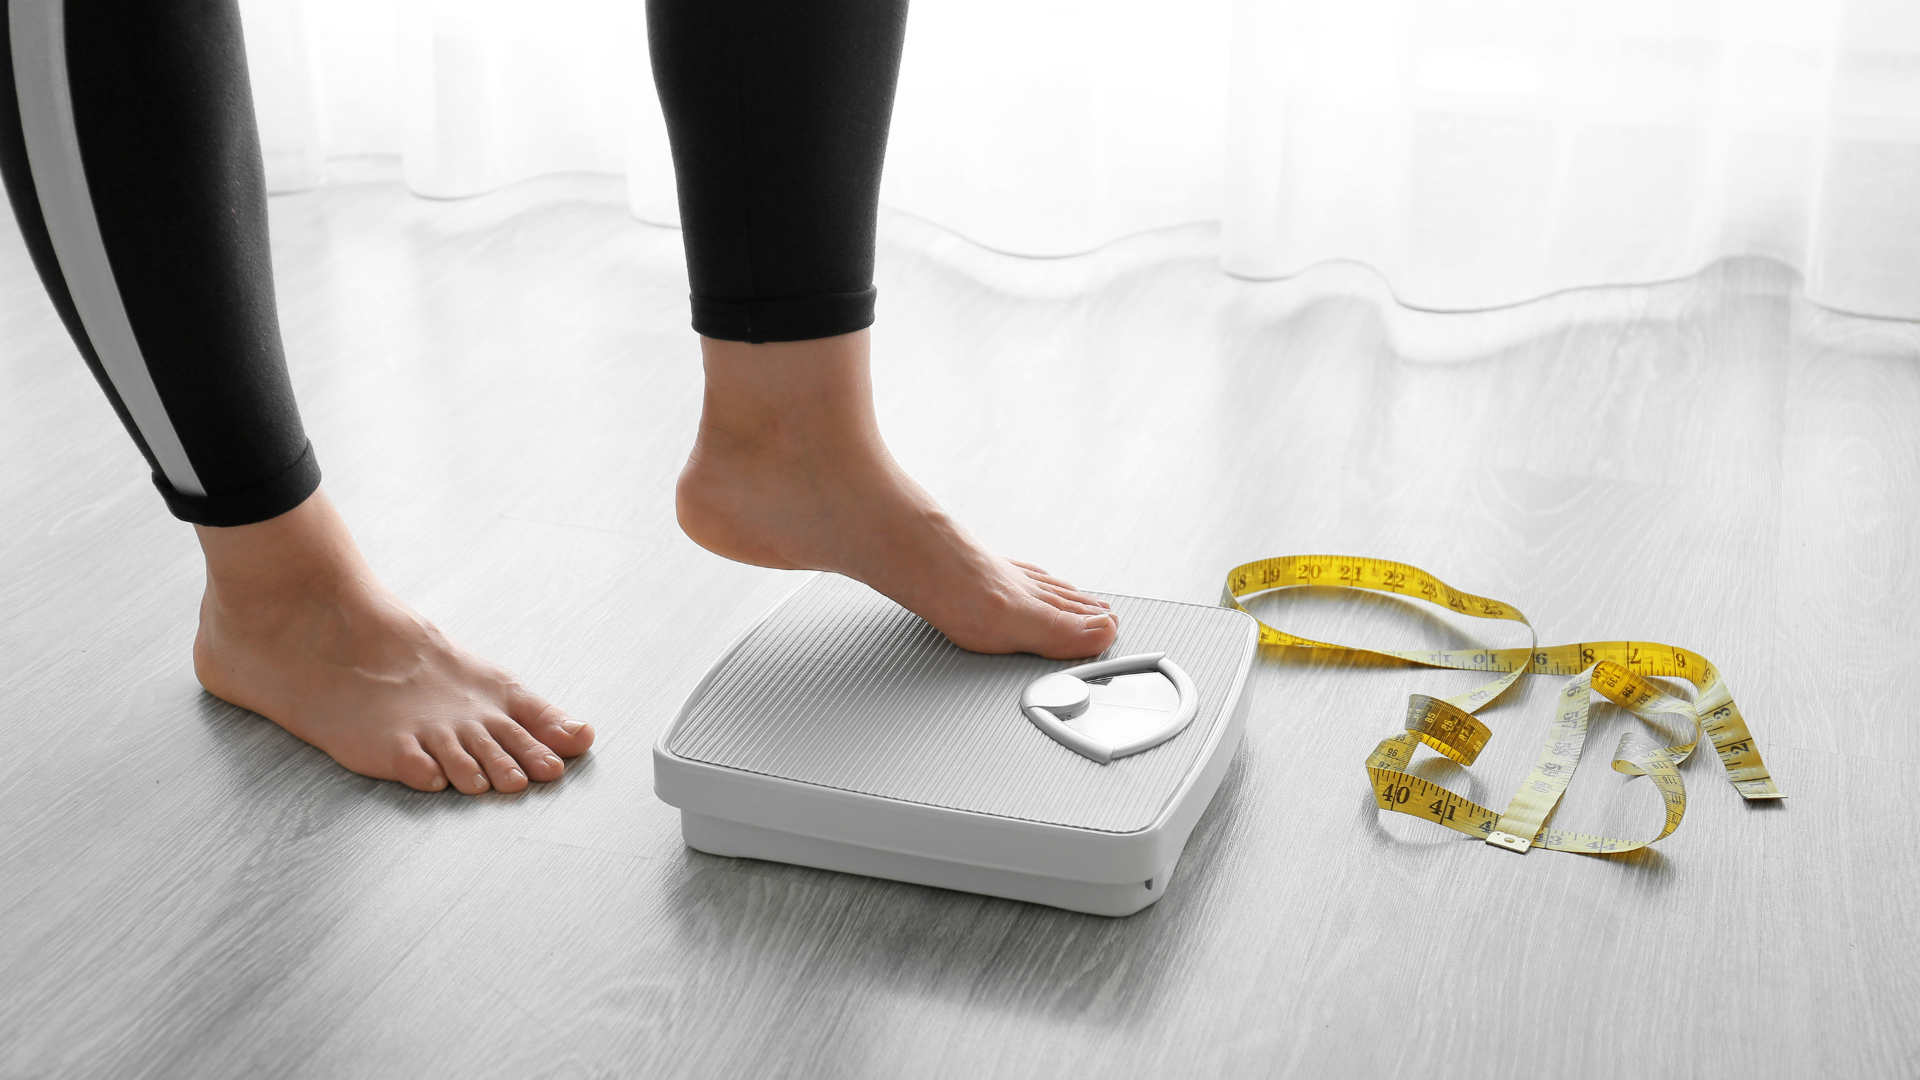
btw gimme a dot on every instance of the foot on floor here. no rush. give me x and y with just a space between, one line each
789 471
295 626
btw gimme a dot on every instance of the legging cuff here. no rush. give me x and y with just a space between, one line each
250 504
799 319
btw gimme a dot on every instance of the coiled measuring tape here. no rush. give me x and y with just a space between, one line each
1617 669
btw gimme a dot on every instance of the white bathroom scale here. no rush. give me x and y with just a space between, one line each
843 732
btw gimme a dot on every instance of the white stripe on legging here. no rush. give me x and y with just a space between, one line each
53 149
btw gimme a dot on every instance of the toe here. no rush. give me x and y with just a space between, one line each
503 772
1064 587
1049 583
1067 601
550 724
414 767
535 758
462 771
1038 574
1075 636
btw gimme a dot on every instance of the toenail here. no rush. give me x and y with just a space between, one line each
572 726
553 761
516 774
1099 622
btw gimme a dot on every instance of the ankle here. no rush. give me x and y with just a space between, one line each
781 399
305 553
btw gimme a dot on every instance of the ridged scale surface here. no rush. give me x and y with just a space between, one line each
843 688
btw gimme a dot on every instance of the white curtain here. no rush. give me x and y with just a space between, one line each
1475 152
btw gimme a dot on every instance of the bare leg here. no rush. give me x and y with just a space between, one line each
131 162
789 470
777 113
296 627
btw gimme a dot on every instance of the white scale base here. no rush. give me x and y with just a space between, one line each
717 836
843 733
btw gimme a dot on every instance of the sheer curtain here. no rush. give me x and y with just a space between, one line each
1475 152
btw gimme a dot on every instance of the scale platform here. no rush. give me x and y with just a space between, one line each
842 732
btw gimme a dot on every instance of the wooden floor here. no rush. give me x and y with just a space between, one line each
501 391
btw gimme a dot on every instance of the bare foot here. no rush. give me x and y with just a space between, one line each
295 626
789 471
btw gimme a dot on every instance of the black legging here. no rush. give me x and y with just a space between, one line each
129 151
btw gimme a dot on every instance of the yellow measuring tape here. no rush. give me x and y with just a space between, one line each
1617 669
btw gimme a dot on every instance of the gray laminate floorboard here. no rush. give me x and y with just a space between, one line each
501 391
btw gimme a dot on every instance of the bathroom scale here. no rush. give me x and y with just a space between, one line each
845 733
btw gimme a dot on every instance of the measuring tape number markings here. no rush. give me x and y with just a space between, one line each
1618 670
